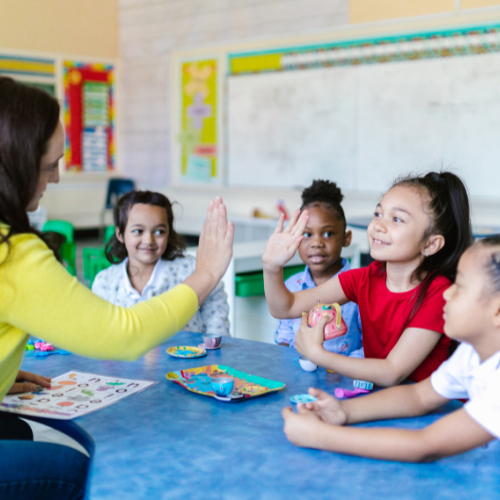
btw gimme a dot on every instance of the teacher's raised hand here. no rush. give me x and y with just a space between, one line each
283 244
214 252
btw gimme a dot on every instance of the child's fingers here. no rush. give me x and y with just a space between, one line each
302 409
323 320
320 395
303 319
293 221
286 413
298 229
279 226
296 244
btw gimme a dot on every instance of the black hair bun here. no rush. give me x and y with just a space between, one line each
322 191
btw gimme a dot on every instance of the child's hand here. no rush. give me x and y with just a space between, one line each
309 341
302 428
27 382
326 408
215 248
282 245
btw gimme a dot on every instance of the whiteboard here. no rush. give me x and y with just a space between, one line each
362 126
287 128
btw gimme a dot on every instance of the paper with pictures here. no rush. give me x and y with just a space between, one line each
72 395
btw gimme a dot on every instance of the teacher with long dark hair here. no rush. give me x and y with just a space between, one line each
37 295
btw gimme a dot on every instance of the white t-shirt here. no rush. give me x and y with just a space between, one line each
464 376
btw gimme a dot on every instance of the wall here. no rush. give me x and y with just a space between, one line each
88 27
154 33
151 29
71 29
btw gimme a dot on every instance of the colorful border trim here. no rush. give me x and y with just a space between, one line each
27 66
452 43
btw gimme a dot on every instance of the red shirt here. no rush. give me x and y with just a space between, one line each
384 314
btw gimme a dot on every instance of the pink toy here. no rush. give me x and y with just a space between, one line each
335 327
344 393
43 346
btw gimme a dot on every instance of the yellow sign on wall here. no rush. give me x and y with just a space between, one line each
198 135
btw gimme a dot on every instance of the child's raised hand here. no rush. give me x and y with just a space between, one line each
326 407
28 382
215 248
309 341
214 252
283 244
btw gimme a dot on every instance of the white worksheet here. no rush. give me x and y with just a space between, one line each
72 395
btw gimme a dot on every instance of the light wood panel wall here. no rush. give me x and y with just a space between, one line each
151 29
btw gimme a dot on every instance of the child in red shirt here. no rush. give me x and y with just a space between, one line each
420 228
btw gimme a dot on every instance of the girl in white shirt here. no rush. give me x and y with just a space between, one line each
472 316
148 257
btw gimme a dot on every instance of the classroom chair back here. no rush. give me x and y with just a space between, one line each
117 188
67 251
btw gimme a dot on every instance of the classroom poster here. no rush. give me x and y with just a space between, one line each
72 395
89 117
198 136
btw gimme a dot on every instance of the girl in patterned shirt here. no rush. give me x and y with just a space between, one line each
148 257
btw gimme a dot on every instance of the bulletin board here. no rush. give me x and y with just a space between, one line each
199 122
89 117
362 111
367 111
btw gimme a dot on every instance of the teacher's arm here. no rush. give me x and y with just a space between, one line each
40 297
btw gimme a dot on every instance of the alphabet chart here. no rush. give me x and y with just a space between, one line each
72 395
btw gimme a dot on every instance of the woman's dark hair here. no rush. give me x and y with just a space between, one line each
28 119
493 262
447 203
326 193
116 251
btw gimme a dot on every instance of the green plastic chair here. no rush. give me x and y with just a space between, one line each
108 233
67 251
97 265
90 254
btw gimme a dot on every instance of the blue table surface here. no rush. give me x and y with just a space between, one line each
166 442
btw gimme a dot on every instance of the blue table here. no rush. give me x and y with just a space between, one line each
169 443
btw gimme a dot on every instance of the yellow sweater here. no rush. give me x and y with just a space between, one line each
37 295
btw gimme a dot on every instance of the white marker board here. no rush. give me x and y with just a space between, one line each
364 125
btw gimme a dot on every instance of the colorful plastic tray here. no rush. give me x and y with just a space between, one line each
199 380
186 351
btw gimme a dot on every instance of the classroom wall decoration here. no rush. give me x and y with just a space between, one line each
460 42
89 117
199 134
38 72
363 112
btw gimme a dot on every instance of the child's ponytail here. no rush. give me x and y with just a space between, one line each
447 201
